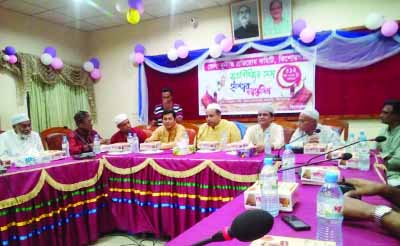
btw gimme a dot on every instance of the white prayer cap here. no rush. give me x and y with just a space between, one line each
18 118
312 113
266 108
120 118
214 106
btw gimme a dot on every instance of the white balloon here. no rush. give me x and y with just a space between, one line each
215 50
374 21
46 59
122 6
172 54
6 57
88 66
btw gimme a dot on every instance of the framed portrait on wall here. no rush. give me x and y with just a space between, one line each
276 18
245 21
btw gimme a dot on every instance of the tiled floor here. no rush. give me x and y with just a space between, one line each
120 239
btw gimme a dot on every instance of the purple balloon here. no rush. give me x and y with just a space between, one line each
139 48
51 51
133 3
178 43
219 37
96 62
298 26
140 7
9 50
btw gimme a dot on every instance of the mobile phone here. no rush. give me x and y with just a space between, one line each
296 223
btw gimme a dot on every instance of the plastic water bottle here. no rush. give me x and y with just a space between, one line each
288 161
224 140
267 145
129 140
330 210
65 146
351 139
363 154
96 144
269 188
185 140
135 144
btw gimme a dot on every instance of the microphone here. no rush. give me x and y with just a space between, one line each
345 157
246 227
278 156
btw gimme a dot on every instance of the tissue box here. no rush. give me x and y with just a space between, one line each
314 148
119 147
55 154
287 196
246 152
152 146
315 175
208 145
236 146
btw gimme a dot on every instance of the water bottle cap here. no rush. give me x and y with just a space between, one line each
288 147
352 134
331 177
268 161
363 138
129 134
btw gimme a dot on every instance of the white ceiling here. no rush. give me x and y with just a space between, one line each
90 15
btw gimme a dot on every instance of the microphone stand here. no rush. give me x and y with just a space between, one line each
312 163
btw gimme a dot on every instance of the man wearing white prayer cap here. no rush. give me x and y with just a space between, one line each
313 131
21 140
216 127
255 134
123 124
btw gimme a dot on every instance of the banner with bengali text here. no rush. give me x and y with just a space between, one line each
242 83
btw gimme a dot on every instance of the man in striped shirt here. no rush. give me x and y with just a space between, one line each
167 104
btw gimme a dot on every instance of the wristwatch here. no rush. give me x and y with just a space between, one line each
380 212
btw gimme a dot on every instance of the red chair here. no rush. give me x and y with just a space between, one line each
52 137
192 135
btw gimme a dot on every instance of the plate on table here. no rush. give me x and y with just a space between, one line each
119 153
206 151
146 152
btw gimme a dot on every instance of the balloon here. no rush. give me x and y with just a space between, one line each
12 59
95 74
219 37
88 66
307 35
374 21
46 59
122 6
215 50
95 61
178 43
57 63
140 7
132 3
227 44
139 58
9 50
389 28
298 26
51 51
139 48
183 51
172 54
6 57
133 16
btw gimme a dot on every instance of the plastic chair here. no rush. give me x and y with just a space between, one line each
52 137
242 128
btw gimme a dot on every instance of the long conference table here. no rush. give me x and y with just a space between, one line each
72 202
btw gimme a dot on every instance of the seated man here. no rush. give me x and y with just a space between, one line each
216 127
125 128
384 216
255 134
308 123
169 133
21 140
81 140
390 149
167 104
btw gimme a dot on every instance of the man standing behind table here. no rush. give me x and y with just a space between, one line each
390 149
21 140
216 127
167 104
81 140
308 124
255 134
124 126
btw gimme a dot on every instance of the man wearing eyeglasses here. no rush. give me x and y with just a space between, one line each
255 134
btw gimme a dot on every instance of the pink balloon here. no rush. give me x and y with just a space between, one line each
227 44
183 51
57 63
139 58
307 35
95 74
12 59
389 28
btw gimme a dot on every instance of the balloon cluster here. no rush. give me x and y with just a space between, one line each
221 43
49 58
10 55
306 34
375 21
93 67
138 55
133 9
180 50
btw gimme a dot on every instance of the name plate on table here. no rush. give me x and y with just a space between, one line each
152 146
289 241
314 148
315 175
208 145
